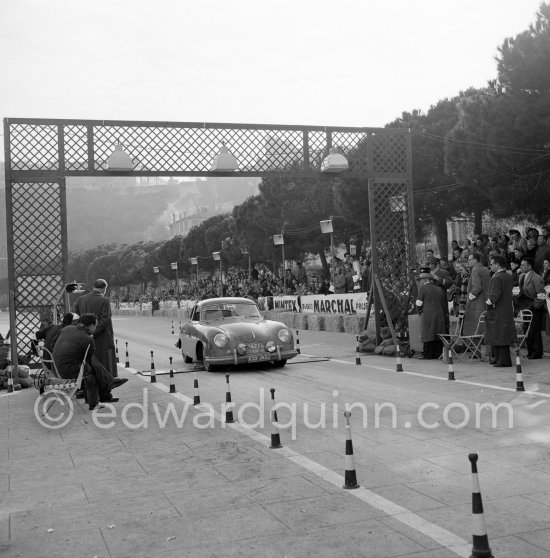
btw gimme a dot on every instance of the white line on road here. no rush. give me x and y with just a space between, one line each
429 376
445 538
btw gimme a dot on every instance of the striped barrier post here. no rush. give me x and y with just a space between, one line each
298 343
275 437
196 395
519 374
357 354
172 327
153 371
10 379
116 351
398 364
480 546
172 385
127 364
451 368
350 475
228 413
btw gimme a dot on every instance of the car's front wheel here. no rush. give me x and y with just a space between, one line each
208 367
186 359
279 363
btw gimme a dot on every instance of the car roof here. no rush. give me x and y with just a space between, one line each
225 300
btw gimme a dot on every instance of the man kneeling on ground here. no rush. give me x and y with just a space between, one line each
68 354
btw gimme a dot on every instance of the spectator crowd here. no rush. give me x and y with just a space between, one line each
352 275
470 284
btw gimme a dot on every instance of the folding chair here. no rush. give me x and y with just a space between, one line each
523 317
54 383
472 343
450 339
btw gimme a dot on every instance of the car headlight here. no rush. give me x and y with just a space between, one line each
241 348
270 346
284 335
220 340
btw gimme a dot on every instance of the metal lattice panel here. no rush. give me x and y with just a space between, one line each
193 149
76 147
168 148
389 154
393 246
34 147
37 251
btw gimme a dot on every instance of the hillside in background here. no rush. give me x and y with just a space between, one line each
125 210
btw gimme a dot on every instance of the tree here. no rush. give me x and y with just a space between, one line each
499 146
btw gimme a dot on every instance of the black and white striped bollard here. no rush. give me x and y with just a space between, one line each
350 475
275 437
196 395
228 412
172 385
519 374
480 547
153 371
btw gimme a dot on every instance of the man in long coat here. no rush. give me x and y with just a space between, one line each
478 287
95 302
532 296
443 281
500 330
432 319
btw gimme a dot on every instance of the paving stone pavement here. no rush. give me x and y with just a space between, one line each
86 491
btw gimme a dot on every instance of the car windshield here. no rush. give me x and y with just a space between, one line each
215 312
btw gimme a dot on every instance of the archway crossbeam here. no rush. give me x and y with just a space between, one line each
81 148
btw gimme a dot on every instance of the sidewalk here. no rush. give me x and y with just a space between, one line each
217 492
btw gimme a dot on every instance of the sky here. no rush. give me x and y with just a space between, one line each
304 62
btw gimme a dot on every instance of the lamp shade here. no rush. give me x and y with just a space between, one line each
334 162
224 161
119 160
326 226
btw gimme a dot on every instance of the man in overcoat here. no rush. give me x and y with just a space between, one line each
95 302
532 296
430 303
500 330
443 281
478 287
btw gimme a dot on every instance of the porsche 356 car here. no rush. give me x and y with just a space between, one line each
231 331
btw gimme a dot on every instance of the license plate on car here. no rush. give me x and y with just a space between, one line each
259 357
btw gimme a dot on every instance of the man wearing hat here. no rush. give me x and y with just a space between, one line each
95 302
443 281
430 303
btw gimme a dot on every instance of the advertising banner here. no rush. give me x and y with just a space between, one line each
286 303
347 303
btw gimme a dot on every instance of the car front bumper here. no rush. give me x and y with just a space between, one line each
236 359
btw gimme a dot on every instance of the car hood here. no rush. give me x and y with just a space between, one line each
251 330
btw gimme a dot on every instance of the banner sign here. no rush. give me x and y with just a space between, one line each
347 303
286 303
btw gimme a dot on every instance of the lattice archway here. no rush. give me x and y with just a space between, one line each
42 153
